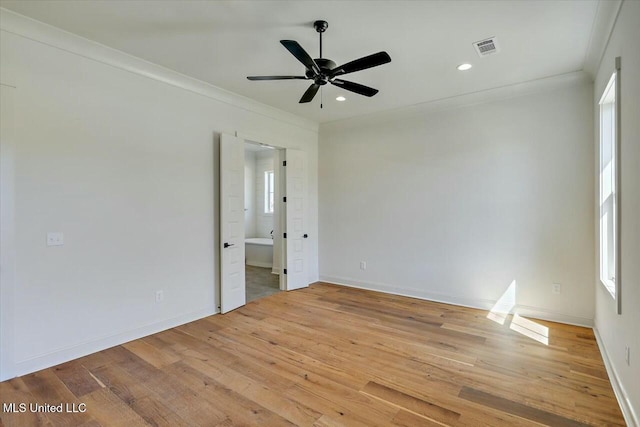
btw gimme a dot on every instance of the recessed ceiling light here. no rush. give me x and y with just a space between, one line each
464 67
341 98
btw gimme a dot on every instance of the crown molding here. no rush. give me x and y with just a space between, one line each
603 23
464 100
37 31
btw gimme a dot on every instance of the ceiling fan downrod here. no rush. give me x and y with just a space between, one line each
321 27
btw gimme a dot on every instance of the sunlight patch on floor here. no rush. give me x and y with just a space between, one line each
530 329
501 310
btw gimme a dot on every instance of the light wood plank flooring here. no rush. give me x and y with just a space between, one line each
331 356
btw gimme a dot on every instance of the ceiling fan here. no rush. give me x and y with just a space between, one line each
322 70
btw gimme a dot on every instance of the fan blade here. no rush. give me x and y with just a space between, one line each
362 64
310 93
301 54
355 87
255 78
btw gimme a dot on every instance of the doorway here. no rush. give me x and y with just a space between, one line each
261 220
286 192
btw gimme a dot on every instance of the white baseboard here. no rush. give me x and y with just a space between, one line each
413 293
629 413
483 304
552 316
64 355
259 264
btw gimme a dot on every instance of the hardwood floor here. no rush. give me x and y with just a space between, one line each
330 356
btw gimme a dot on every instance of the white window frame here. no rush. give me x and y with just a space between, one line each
609 186
269 191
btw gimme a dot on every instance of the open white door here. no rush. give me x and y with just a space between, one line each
232 286
7 225
296 246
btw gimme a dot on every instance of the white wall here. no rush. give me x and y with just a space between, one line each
119 155
257 223
453 205
617 331
249 193
264 221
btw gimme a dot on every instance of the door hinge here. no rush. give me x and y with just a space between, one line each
284 199
284 163
285 271
284 235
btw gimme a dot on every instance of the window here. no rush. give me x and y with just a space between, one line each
269 192
607 200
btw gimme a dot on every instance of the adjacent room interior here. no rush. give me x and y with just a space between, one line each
392 213
261 214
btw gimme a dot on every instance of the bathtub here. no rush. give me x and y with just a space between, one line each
259 252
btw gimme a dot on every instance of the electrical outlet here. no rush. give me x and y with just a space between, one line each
363 265
627 355
55 238
556 288
159 296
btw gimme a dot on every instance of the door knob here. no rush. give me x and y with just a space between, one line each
226 245
305 235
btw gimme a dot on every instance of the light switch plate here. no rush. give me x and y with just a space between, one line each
55 238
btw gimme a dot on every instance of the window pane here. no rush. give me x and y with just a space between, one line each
269 191
266 192
607 180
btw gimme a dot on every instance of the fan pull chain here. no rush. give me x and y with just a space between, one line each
321 92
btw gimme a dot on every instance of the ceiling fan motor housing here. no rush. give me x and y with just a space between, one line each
325 66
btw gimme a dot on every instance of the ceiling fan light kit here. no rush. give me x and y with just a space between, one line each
324 71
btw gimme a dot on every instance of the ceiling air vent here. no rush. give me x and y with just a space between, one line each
487 46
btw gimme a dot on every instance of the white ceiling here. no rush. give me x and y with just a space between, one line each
222 42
